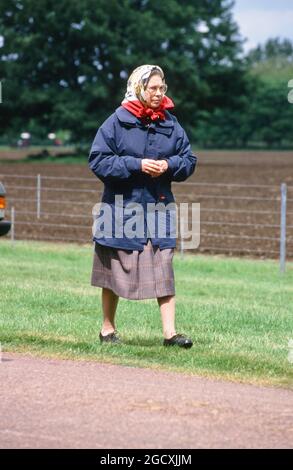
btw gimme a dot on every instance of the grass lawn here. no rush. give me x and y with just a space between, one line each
239 313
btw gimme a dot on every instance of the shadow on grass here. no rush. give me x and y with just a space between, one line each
142 352
31 339
141 341
79 346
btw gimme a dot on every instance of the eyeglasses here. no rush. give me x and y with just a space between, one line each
153 89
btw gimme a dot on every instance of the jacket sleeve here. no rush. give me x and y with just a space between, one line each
103 159
183 164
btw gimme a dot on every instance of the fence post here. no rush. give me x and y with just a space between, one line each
283 228
38 196
12 225
181 238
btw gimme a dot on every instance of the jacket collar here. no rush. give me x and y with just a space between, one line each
127 117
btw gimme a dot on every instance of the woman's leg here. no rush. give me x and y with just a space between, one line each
167 307
109 304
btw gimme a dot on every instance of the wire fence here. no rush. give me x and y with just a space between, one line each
244 219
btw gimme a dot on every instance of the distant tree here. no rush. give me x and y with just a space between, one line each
274 48
262 115
269 114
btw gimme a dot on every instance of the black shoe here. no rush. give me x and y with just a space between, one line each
179 340
110 338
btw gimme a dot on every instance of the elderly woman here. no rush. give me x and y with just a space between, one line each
137 152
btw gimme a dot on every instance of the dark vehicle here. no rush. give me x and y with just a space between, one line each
4 224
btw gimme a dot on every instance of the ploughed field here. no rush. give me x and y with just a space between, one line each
238 192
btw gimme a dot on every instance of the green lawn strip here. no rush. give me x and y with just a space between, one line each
238 312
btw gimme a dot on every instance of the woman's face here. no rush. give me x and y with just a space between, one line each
154 91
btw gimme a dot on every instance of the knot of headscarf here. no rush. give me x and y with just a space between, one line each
134 100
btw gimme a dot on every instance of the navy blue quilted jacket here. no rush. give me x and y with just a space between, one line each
115 158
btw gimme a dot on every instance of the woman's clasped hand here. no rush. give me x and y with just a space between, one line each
154 168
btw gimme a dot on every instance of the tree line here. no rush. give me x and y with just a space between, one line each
64 67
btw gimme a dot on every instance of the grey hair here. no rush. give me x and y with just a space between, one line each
155 71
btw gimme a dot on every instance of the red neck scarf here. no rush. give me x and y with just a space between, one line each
141 112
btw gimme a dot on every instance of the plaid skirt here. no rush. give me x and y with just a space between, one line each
134 274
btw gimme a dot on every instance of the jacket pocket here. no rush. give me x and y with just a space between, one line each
164 194
126 194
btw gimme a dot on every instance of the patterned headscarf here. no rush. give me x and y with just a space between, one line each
135 100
